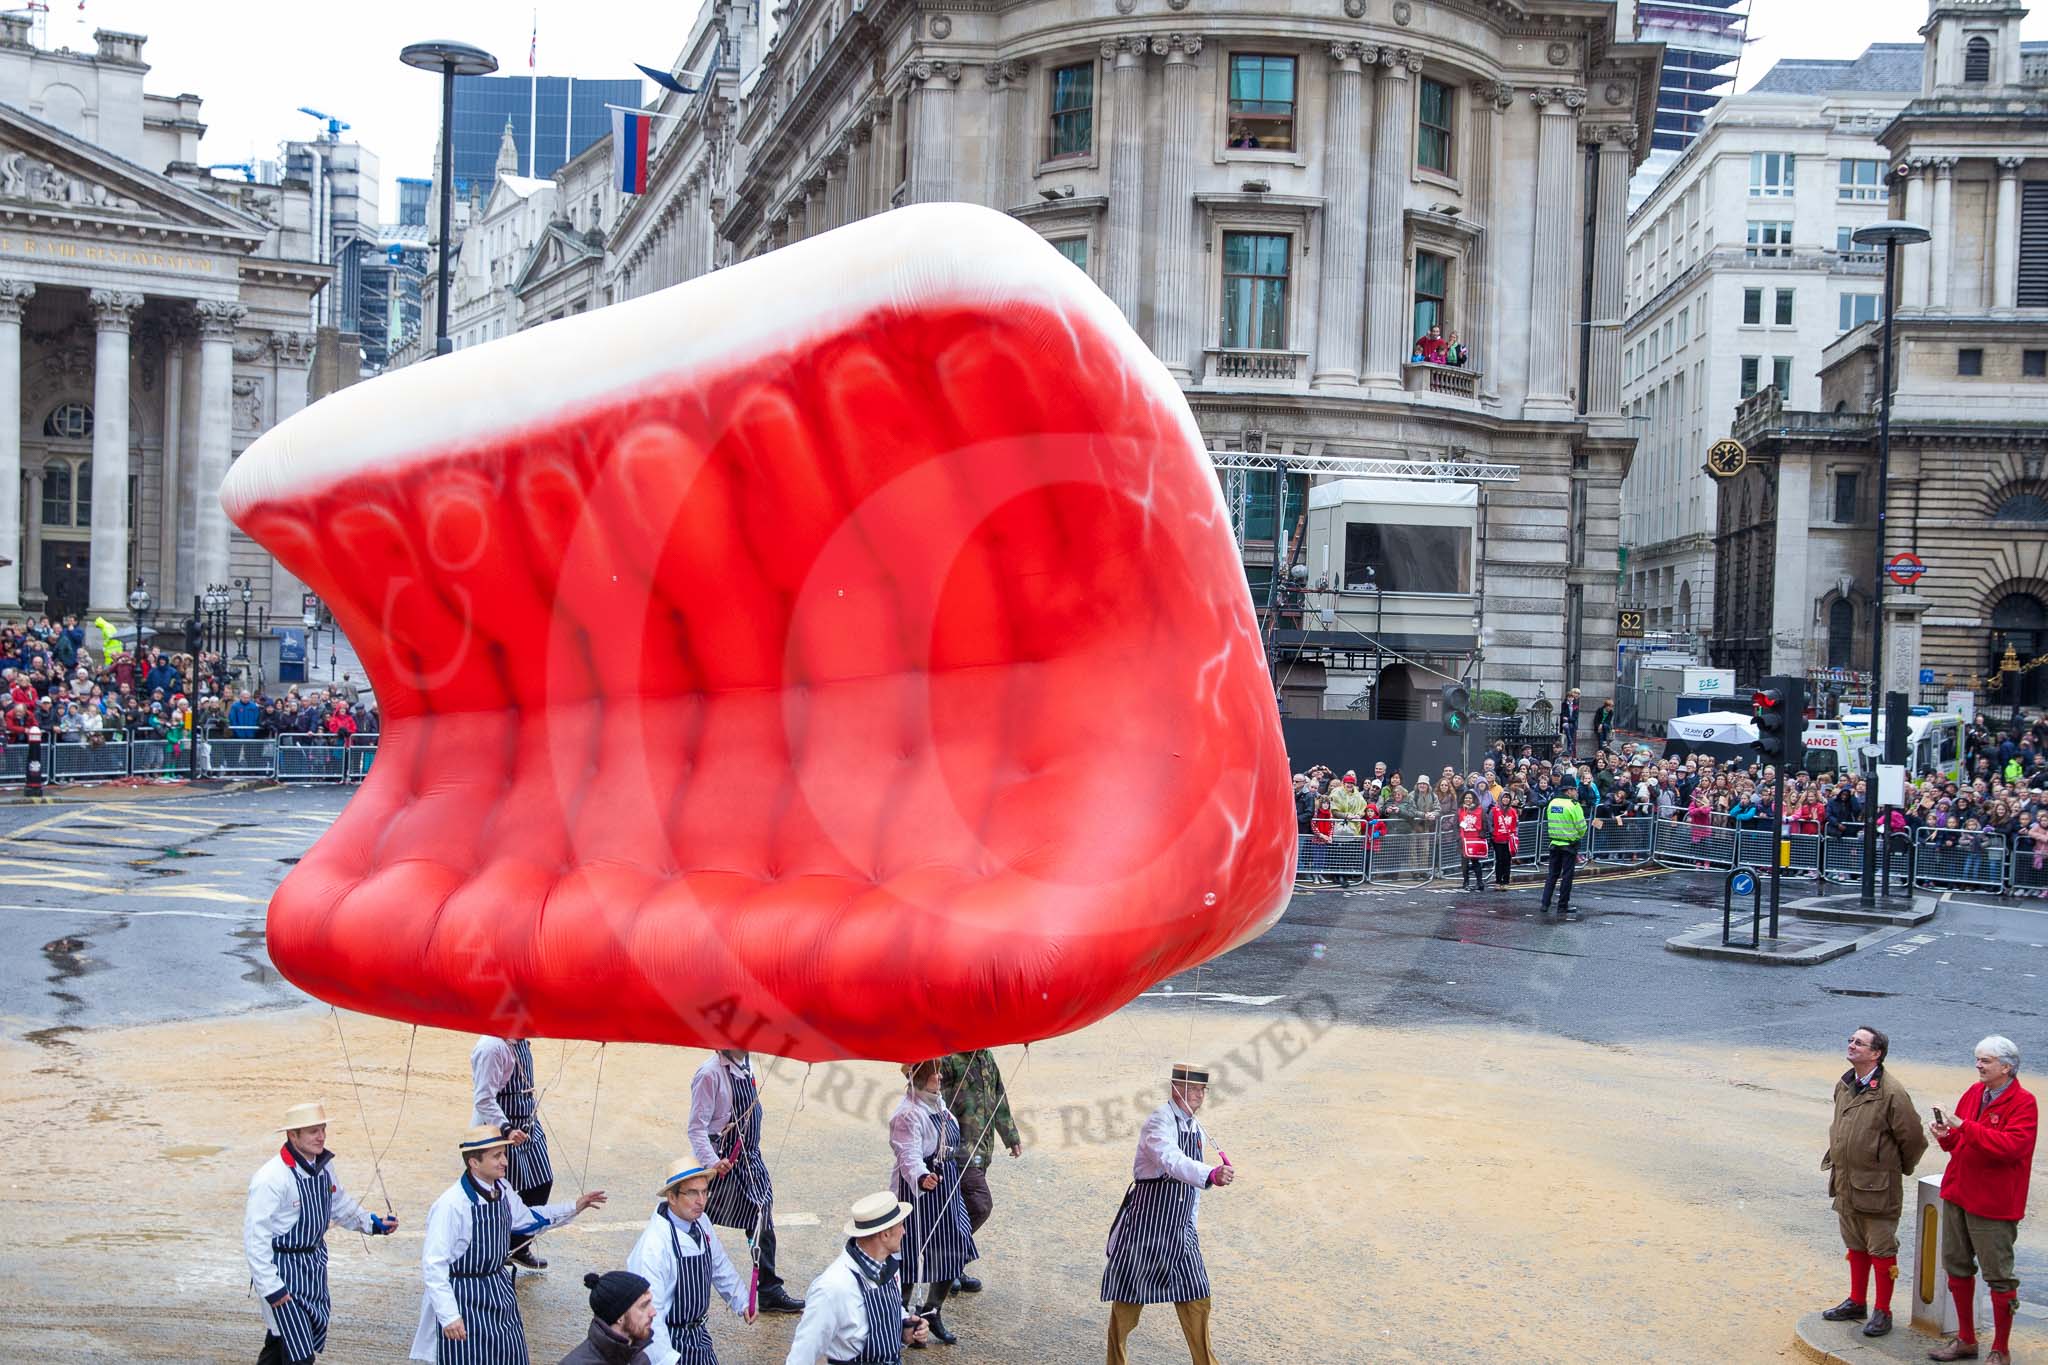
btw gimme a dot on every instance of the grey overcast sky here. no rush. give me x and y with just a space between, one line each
254 62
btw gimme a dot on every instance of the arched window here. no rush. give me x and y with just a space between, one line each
71 422
1977 61
1841 633
2022 507
57 493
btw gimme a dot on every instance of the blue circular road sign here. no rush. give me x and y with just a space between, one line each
1744 884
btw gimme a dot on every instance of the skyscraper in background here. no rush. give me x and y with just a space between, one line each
1702 49
485 104
412 200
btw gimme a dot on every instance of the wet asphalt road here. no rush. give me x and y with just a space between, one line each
146 911
156 909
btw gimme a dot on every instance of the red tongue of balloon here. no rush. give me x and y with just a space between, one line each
886 690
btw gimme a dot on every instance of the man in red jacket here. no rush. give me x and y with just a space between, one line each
1990 1144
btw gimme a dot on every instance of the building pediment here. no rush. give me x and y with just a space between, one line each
47 172
558 249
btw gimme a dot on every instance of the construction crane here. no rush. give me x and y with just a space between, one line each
334 125
247 168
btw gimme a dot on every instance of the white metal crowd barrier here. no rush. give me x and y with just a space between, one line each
225 756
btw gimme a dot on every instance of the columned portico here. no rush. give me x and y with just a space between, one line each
1175 289
113 314
1550 306
1386 246
1126 173
2005 244
1340 316
217 323
13 295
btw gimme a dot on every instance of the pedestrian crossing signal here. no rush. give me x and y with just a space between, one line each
1457 709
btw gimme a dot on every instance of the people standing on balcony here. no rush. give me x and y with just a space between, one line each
1432 347
1455 353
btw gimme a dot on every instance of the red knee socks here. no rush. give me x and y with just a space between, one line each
1887 1270
1859 1277
2002 1304
1963 1289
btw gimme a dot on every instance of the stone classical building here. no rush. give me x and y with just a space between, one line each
1281 200
1967 491
1740 273
153 321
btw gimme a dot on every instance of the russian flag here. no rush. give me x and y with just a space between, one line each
629 150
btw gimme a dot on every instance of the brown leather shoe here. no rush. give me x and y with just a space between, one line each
1955 1348
1998 1358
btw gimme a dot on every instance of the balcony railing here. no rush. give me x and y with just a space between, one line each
1240 365
1447 380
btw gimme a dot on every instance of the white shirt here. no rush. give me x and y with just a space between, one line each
913 1136
449 1223
492 1065
835 1321
273 1208
1159 1150
711 1103
653 1259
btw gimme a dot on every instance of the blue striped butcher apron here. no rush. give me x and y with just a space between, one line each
736 1198
1155 1254
939 1241
687 1334
530 1168
301 1259
883 1305
483 1290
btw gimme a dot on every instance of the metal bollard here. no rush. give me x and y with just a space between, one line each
33 779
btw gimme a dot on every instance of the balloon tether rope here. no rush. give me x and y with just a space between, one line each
961 1167
370 1138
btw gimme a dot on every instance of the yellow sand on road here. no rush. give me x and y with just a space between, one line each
1435 1194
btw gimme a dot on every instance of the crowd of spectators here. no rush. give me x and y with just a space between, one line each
1994 810
80 683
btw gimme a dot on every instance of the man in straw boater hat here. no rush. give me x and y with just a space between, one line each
1155 1254
682 1260
467 1314
504 1095
725 1135
293 1198
854 1312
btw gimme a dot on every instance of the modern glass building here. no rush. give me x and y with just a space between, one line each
412 201
571 114
1702 48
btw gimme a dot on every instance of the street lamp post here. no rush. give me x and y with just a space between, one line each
1893 233
451 60
139 603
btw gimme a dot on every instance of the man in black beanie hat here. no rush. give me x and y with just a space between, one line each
621 1321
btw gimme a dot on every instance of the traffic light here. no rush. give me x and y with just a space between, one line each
1779 709
1767 709
1457 709
1897 724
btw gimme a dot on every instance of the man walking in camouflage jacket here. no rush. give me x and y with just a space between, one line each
972 1088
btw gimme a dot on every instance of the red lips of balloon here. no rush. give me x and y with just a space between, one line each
882 686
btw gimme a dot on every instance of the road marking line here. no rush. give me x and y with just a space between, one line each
126 914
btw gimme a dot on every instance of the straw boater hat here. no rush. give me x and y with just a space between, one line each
1183 1074
876 1213
482 1138
684 1167
309 1115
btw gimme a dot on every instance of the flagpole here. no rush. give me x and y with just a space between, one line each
532 94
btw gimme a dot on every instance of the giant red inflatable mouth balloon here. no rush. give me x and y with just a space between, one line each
844 654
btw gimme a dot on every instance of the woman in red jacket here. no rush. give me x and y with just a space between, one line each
1472 839
1507 839
1989 1139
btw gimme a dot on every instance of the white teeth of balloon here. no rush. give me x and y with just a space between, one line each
763 667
